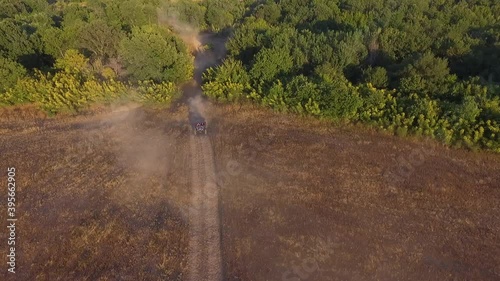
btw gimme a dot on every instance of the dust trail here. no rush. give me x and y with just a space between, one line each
195 243
189 34
204 253
204 258
212 223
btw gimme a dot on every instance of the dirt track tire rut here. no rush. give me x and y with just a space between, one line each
204 259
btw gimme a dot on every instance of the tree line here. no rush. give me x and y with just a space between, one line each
64 55
419 67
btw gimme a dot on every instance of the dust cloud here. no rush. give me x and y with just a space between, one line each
208 50
149 147
147 150
189 34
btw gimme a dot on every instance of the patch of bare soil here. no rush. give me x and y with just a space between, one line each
307 200
99 197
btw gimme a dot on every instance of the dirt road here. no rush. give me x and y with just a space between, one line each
204 236
204 258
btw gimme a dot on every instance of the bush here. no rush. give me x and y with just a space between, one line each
10 72
157 94
228 82
74 88
376 76
339 100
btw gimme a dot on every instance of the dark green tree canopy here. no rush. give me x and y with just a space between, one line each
424 67
153 52
10 72
100 39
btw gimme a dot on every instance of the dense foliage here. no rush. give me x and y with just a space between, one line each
64 55
213 15
153 53
75 87
419 67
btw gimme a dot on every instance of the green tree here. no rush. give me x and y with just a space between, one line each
377 76
248 39
469 109
100 39
13 8
227 82
270 12
275 97
428 74
271 62
10 72
187 11
222 13
126 14
302 95
296 11
56 41
349 49
73 62
153 53
339 99
16 39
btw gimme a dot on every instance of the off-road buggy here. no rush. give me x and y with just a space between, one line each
200 128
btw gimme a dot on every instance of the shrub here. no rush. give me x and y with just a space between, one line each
10 72
157 94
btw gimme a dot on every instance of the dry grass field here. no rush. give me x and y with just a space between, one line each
103 196
97 197
304 200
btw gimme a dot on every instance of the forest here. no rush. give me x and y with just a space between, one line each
426 68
